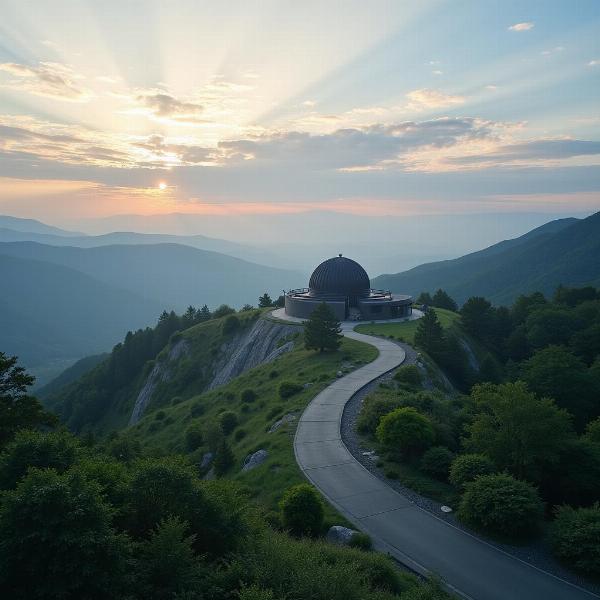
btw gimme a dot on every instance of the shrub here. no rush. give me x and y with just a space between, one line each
228 422
501 504
575 537
55 450
274 374
224 458
592 431
405 430
231 324
194 437
362 541
408 374
468 467
391 473
160 415
302 510
436 462
371 412
197 409
248 396
288 388
240 434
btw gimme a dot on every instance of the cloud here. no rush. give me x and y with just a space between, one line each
594 63
163 105
425 98
52 80
526 26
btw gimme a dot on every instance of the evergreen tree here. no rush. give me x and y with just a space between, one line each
189 316
425 298
430 334
224 458
203 314
265 301
322 330
442 300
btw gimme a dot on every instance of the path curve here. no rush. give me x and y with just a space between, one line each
471 567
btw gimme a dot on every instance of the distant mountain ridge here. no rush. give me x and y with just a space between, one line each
33 226
564 251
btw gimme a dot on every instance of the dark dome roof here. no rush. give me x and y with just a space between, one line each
340 275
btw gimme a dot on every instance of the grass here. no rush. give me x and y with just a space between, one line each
405 331
268 481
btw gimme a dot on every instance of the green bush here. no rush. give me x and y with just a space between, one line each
302 510
231 324
197 409
194 437
405 431
409 374
362 541
55 450
248 396
575 537
436 462
224 458
501 504
274 374
240 434
288 388
467 467
592 431
391 473
160 415
228 422
371 412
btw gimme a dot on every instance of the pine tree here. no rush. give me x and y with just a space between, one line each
203 314
442 300
265 301
425 298
430 334
322 330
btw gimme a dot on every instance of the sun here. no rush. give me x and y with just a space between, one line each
162 185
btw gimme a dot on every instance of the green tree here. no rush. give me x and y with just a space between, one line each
525 305
442 300
436 462
265 301
203 314
517 430
56 450
477 317
592 431
168 563
228 421
429 334
586 343
231 324
18 410
194 436
405 431
551 326
302 510
501 504
189 317
556 373
467 467
425 298
224 459
246 307
57 542
575 537
322 330
223 311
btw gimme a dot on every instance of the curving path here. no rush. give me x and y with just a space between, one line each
415 537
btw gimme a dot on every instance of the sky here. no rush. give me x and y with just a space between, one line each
263 108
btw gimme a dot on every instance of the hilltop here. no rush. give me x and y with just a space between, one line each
566 251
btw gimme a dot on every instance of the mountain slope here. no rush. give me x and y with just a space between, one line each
171 275
33 226
565 252
49 312
201 242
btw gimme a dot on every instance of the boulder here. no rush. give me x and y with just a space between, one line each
285 419
340 536
254 460
207 458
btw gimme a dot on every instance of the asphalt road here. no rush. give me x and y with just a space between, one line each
415 537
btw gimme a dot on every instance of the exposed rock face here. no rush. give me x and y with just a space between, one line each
254 460
252 348
207 458
339 535
285 419
160 372
473 362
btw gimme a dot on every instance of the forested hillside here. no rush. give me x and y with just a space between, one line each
563 252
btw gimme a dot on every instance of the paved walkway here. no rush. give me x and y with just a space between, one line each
415 537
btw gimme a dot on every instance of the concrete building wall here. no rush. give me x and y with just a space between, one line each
303 307
384 310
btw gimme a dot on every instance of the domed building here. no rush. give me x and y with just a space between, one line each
345 286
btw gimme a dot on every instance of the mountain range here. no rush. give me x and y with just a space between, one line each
564 251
